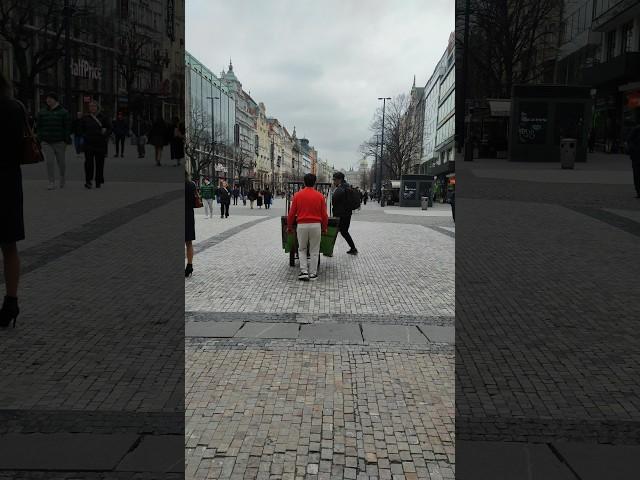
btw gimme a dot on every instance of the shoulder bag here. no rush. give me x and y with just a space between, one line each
31 148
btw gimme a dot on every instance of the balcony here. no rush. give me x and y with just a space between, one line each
620 69
608 13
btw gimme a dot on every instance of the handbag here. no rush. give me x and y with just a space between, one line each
31 148
197 199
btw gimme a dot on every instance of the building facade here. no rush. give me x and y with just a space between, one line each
210 113
246 128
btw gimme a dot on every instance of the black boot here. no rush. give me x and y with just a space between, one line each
9 311
188 270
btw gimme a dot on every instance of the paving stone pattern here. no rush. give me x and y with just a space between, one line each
402 269
322 405
547 309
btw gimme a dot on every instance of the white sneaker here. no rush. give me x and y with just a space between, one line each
303 276
313 276
52 186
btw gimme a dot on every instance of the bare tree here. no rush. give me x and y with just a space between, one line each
509 41
35 31
198 147
402 138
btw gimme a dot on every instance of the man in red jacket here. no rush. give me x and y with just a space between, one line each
310 208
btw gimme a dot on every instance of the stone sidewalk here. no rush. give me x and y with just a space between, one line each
350 376
91 378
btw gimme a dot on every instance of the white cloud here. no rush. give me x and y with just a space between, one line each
320 65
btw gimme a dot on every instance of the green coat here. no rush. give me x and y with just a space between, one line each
207 191
54 125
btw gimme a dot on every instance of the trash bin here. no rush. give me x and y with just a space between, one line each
424 202
568 152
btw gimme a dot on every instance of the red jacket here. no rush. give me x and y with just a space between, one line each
309 206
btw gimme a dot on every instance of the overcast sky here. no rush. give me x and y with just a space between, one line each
321 65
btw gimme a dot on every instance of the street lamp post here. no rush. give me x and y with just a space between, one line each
384 103
213 138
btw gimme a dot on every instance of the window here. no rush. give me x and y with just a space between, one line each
627 37
611 44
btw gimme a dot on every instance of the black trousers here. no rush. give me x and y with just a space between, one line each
224 209
94 165
235 200
343 226
635 165
120 145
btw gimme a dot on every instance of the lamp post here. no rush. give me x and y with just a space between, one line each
379 186
213 138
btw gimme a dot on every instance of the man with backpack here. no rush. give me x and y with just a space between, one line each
345 200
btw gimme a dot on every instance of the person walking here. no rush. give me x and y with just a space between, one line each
13 119
633 148
253 195
53 128
365 197
158 137
78 139
309 211
342 209
177 140
190 222
208 193
139 129
95 129
225 199
120 131
266 194
259 199
236 194
452 201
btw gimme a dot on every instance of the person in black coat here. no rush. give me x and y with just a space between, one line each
190 222
342 210
95 128
120 131
177 140
159 136
12 122
225 199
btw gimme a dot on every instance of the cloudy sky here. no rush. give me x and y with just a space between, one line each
321 65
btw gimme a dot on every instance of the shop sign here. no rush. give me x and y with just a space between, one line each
532 127
82 68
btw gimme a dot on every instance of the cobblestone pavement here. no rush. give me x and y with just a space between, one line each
546 313
322 409
94 352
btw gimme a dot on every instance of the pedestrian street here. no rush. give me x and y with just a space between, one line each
349 376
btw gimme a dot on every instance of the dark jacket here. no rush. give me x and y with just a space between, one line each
340 201
633 144
159 133
54 125
120 127
94 139
223 195
189 195
253 195
12 119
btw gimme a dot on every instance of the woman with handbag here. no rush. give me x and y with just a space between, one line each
13 121
96 129
191 198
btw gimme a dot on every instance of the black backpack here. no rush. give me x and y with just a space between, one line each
353 197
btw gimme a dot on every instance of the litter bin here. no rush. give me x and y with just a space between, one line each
568 152
424 202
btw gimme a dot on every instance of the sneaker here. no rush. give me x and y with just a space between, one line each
52 186
313 276
303 276
353 251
